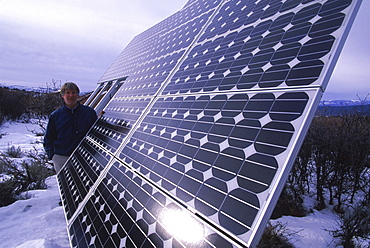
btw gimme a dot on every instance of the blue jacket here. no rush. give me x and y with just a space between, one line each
66 128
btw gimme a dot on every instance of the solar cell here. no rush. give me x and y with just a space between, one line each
215 103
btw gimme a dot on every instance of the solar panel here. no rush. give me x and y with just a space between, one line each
194 148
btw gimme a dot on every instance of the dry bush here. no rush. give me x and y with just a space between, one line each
277 236
28 175
353 226
14 152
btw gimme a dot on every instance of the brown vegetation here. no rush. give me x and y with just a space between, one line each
16 104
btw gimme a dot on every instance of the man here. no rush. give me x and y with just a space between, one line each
67 126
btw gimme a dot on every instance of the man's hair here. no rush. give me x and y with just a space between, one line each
69 86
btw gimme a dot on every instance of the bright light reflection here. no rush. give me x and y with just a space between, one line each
182 226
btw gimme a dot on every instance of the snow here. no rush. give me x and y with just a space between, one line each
18 134
312 230
35 222
39 221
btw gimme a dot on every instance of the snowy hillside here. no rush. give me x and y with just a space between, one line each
38 222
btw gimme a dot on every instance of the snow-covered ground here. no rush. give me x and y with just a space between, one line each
39 222
311 231
19 134
36 222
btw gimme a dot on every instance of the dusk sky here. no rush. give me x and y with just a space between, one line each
43 41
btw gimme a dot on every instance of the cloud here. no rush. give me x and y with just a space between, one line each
78 40
70 40
115 21
351 75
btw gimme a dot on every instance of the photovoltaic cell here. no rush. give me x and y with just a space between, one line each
126 211
151 56
206 127
80 173
215 139
110 130
234 61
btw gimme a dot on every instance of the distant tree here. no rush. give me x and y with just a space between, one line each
41 105
12 103
320 138
29 106
301 173
350 156
335 159
289 203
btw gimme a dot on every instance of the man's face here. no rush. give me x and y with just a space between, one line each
70 98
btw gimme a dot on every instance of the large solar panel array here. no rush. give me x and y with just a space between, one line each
194 148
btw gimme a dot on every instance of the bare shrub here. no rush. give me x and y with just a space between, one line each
18 104
12 103
38 169
277 236
289 203
353 226
30 174
334 160
14 152
7 195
